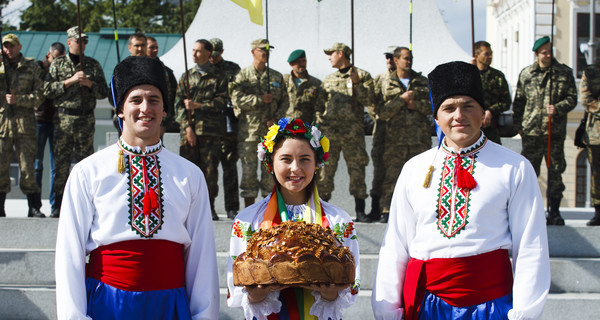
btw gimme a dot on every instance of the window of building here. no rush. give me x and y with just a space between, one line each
583 37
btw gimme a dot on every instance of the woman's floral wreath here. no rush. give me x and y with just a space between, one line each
287 127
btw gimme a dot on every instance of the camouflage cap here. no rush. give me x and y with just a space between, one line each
12 39
73 33
261 43
217 46
391 49
338 47
540 42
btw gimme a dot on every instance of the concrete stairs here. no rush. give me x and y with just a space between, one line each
27 287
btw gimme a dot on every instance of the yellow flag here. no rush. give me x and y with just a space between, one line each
254 8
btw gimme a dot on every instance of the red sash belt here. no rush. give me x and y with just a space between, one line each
139 265
461 282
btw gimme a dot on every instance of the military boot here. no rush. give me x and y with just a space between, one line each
248 201
231 214
385 214
595 221
554 218
34 210
56 208
2 200
375 213
361 216
215 217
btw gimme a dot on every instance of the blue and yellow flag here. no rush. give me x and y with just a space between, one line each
254 8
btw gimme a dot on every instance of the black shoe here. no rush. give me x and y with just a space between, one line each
595 221
361 216
55 213
231 214
215 217
554 218
35 213
375 214
384 218
2 213
2 200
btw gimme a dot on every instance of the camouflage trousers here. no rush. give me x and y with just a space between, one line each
352 144
396 156
249 185
25 148
205 154
73 140
377 157
229 158
535 148
594 158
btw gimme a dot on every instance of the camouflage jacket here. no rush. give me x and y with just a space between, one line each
346 102
63 68
495 91
246 92
404 126
529 106
26 83
210 90
590 92
230 69
170 99
306 100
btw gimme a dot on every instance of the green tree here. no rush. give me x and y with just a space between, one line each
150 16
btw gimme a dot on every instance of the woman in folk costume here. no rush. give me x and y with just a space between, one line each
293 152
142 214
445 253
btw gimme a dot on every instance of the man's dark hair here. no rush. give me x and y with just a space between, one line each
479 44
137 35
398 51
205 44
151 39
57 46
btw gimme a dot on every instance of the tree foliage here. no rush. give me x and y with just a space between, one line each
150 16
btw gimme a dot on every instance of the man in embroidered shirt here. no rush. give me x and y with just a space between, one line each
446 247
142 213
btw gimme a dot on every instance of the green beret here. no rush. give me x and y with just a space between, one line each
540 42
295 55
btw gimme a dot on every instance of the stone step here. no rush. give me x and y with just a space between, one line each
36 267
572 240
40 303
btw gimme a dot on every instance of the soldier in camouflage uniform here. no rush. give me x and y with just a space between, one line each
590 92
229 146
169 124
404 104
257 102
378 146
75 93
531 108
495 90
199 113
17 121
348 91
304 91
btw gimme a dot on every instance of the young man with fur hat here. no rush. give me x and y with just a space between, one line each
142 214
457 211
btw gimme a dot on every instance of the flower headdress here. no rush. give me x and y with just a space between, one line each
288 127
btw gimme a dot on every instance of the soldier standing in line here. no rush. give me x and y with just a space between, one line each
304 91
590 92
199 113
137 44
377 148
74 89
259 97
17 121
531 108
229 153
495 90
405 107
169 124
44 116
348 91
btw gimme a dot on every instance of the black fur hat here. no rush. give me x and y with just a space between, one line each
135 71
452 79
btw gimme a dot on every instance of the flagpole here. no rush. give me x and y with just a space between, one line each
186 79
80 44
472 31
116 33
352 29
548 160
410 13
